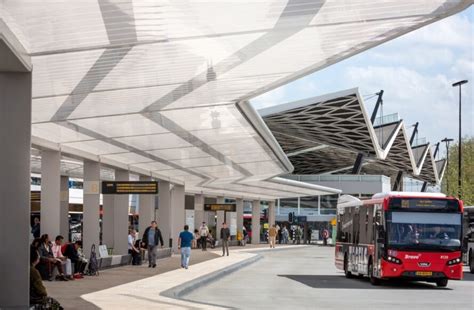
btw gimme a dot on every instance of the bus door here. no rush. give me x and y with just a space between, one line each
379 239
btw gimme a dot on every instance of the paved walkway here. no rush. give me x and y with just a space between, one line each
145 294
69 293
140 286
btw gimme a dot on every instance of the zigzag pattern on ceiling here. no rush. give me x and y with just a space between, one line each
325 135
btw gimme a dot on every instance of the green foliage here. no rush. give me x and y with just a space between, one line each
467 172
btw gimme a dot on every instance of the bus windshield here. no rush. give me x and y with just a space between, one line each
420 231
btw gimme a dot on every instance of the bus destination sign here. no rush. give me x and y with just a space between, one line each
231 207
129 187
423 203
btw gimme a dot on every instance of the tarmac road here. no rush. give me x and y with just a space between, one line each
306 278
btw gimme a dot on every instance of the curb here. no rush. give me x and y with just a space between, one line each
178 292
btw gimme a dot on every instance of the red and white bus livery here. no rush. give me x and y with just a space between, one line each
412 236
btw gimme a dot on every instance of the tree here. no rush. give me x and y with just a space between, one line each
467 173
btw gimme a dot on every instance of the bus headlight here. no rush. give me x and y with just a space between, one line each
394 260
454 261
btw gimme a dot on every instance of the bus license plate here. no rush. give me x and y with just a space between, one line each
424 273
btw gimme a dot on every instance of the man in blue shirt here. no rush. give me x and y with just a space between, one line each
184 243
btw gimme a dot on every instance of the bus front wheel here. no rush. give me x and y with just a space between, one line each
442 283
373 280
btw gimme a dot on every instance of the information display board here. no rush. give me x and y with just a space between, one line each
35 196
231 207
129 187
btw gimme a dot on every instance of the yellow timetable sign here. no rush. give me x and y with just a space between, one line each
129 187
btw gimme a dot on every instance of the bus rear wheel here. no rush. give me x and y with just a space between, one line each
346 267
442 283
373 280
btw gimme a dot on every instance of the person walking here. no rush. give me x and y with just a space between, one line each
310 232
151 237
285 234
298 234
325 236
272 233
36 228
204 232
225 237
184 243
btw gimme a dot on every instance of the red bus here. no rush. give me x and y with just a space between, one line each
412 236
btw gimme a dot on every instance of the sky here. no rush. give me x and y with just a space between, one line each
415 71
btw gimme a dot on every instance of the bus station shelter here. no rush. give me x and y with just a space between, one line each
160 89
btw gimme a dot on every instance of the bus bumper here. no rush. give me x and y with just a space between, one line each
391 270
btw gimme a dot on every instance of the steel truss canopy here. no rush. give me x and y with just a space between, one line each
326 134
161 87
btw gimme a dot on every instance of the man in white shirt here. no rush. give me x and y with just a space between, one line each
204 231
132 250
58 254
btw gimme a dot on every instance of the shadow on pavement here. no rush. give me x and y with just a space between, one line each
341 282
468 276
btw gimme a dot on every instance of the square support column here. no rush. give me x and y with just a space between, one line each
121 206
198 210
108 218
177 214
146 209
90 220
164 211
240 214
15 139
271 213
64 207
50 193
256 222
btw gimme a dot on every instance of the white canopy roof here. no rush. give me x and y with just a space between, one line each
159 87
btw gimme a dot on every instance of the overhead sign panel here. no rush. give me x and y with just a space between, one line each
35 196
232 207
129 187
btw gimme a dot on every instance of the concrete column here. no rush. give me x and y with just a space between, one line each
319 204
271 213
121 206
50 193
256 222
146 211
15 139
108 217
198 210
177 214
240 214
299 206
220 218
278 209
90 220
64 207
164 211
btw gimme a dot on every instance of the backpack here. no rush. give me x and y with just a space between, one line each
93 268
